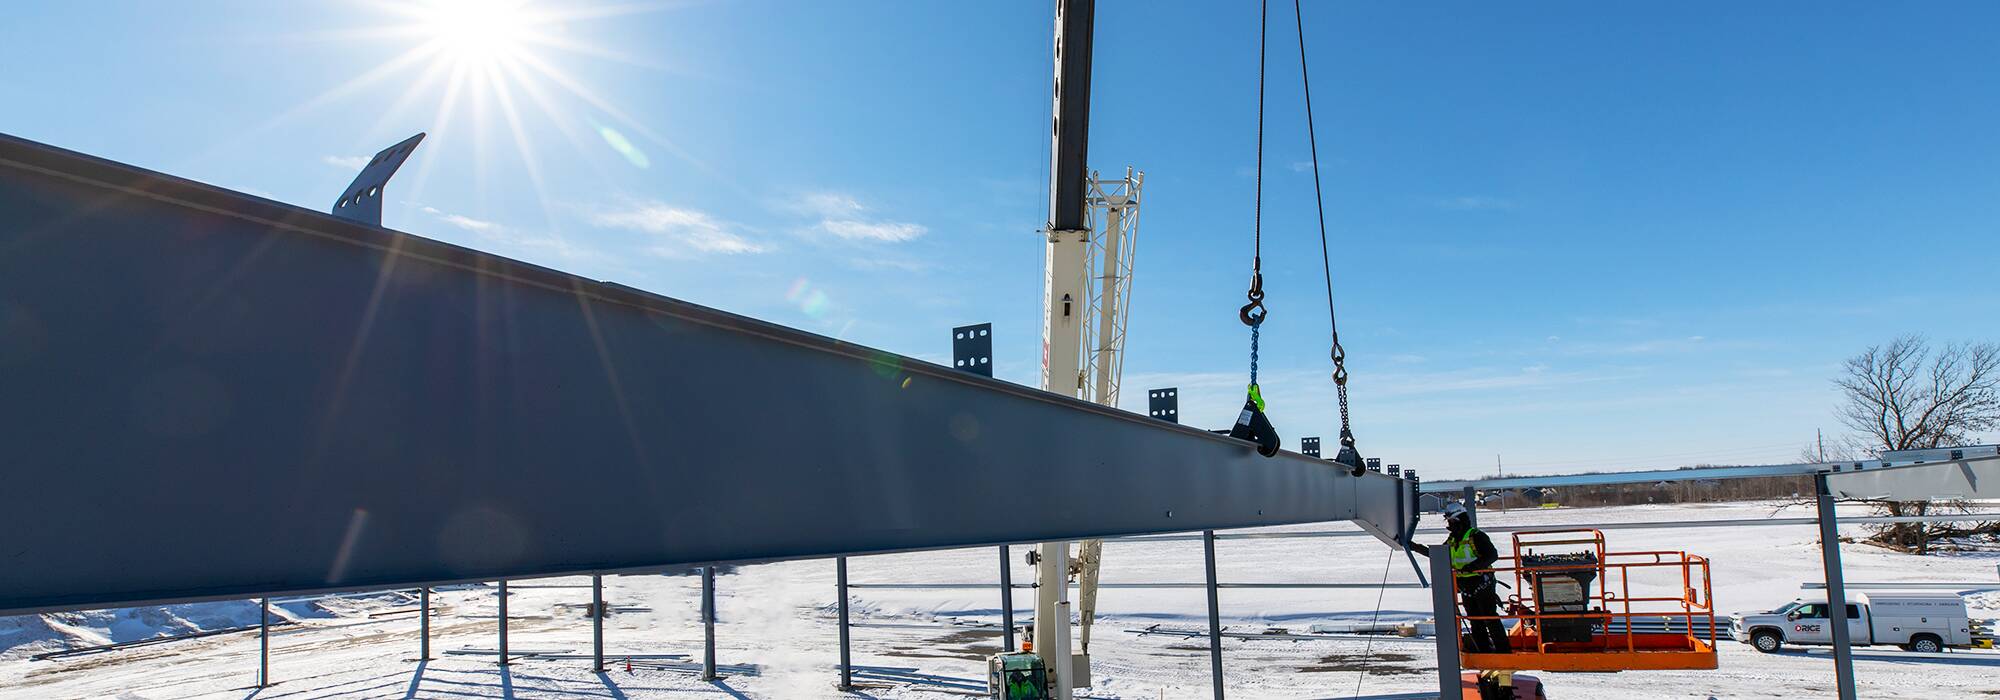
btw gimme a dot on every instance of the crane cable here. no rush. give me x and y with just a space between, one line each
1253 313
1348 454
1251 423
1369 650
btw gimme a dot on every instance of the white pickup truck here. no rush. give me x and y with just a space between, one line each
1926 622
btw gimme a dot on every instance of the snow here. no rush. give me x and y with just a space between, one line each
776 635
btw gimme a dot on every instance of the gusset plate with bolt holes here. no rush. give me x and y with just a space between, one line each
1164 404
362 201
1309 446
972 349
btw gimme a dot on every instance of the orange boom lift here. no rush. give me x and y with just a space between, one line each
1574 608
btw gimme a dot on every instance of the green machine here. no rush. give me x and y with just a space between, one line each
1019 675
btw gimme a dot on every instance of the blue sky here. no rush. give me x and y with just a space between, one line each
1572 234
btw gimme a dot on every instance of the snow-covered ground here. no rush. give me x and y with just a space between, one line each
776 635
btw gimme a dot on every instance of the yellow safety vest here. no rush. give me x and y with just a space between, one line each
1463 553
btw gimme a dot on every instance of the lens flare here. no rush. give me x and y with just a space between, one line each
810 301
624 147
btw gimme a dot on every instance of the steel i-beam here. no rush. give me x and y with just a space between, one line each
266 400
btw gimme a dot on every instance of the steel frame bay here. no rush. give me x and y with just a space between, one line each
403 412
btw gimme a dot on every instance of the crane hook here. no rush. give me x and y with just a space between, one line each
1253 313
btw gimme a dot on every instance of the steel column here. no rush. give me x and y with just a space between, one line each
263 642
1471 499
1007 597
1836 589
424 623
708 623
846 659
1444 611
597 615
503 621
1214 615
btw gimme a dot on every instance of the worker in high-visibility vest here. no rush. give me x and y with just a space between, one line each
1472 553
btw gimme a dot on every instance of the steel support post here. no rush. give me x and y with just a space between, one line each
1214 615
503 622
1471 500
597 614
1836 589
424 623
1444 611
263 642
846 659
1007 597
708 623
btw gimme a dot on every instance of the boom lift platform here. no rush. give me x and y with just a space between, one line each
1574 608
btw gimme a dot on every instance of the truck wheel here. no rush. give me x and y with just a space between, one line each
1766 641
1926 644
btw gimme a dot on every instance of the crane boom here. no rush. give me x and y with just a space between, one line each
1064 299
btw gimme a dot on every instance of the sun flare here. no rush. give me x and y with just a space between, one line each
479 32
499 76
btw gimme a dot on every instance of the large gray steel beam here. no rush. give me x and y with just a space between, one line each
1640 477
267 400
1873 478
1972 479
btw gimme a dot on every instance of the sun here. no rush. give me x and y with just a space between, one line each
498 76
479 32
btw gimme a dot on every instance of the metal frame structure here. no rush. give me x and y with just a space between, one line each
1211 586
1114 207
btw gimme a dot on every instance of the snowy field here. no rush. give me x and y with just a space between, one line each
776 634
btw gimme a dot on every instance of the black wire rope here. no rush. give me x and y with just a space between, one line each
1337 353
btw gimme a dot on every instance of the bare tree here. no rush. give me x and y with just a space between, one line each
1907 395
1904 396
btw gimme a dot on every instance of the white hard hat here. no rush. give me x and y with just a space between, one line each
1454 509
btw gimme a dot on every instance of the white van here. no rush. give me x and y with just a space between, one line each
1926 622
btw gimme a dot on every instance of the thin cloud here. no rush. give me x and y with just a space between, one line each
515 241
346 162
878 264
1480 380
890 231
1652 346
829 205
844 217
1475 203
465 222
683 232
